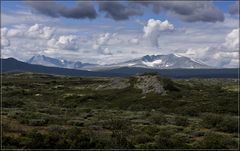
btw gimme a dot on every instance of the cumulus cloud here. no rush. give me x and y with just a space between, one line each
17 31
106 51
134 41
153 28
232 40
65 42
120 11
234 9
54 9
225 55
4 31
101 41
214 56
4 40
35 31
41 31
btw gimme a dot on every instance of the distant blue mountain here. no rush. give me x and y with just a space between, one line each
13 65
61 63
170 61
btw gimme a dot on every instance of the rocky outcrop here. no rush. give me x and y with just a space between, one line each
148 84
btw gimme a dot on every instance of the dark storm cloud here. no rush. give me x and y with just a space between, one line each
48 8
190 11
120 11
53 9
233 9
83 10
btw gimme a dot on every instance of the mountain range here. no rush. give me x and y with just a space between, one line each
170 61
11 65
61 63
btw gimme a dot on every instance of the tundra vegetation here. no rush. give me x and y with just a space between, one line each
139 112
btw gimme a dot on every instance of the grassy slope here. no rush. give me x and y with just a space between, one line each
201 114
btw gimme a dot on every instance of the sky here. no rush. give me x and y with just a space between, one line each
109 32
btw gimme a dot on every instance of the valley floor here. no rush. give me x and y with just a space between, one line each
44 111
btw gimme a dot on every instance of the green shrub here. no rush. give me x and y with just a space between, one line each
189 110
117 124
76 122
168 140
228 124
120 141
168 84
151 130
211 120
37 122
181 121
35 140
179 141
224 123
216 141
78 139
9 103
9 142
142 138
158 119
163 140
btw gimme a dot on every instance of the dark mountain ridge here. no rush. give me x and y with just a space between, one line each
13 65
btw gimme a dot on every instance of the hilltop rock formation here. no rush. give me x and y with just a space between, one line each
149 83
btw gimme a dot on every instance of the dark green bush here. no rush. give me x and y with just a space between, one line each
228 124
158 119
211 120
168 84
9 103
151 130
10 143
168 139
190 110
142 138
216 141
181 121
76 122
120 141
220 122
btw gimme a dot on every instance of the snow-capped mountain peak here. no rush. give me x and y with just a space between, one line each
169 61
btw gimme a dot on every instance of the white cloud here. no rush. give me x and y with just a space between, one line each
4 31
25 17
4 42
232 40
65 42
40 31
34 31
101 42
17 31
153 28
134 41
106 51
28 36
